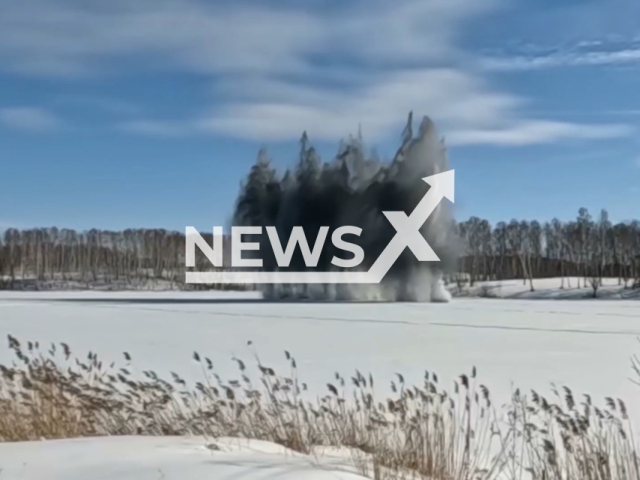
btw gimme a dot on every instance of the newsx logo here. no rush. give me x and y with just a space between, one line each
407 235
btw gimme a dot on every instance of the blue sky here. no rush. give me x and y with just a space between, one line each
149 113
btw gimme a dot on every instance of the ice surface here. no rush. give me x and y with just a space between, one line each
583 344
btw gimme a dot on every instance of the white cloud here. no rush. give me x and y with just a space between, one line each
535 132
465 113
583 54
590 22
466 110
29 119
64 37
452 98
270 65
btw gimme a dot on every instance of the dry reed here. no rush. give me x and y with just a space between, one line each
423 431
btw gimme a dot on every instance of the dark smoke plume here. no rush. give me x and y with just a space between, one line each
353 189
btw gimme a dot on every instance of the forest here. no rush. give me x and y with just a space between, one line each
586 247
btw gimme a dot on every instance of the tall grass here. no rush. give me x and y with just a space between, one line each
422 431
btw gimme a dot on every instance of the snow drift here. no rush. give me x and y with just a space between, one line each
169 458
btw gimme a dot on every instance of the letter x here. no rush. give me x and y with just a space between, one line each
408 233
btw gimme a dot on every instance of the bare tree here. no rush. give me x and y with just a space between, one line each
583 248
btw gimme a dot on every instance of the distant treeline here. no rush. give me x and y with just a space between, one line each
585 247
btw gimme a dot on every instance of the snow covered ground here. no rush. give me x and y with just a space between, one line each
583 344
169 458
549 289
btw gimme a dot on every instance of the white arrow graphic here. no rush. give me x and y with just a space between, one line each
408 228
407 235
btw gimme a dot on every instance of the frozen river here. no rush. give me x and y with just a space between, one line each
586 345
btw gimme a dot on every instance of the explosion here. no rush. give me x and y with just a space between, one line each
353 189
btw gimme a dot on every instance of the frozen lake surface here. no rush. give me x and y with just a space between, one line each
585 344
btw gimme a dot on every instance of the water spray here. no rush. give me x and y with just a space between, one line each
354 189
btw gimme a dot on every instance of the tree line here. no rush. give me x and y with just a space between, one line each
588 248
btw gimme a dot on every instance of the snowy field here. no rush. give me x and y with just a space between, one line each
550 289
169 458
583 344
